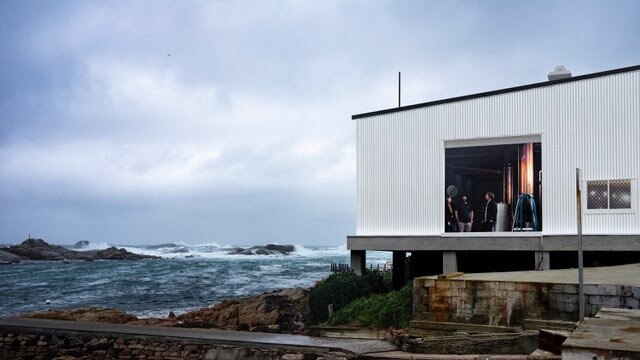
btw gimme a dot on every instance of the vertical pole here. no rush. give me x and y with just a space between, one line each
398 274
580 258
399 88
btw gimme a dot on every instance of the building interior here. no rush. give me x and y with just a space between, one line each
507 171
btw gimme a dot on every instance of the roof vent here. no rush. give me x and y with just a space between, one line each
559 73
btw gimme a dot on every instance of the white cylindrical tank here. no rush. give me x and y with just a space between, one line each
503 221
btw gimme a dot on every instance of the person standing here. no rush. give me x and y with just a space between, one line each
465 215
490 211
450 215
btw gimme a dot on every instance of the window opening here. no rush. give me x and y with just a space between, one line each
612 194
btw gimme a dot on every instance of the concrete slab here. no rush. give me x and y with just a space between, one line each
406 355
209 336
612 334
504 241
624 275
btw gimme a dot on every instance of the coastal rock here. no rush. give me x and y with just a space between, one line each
81 244
9 258
113 253
269 249
38 249
162 246
283 311
112 316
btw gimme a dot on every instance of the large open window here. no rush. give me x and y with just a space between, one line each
512 172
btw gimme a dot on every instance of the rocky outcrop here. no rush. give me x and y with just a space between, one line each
8 258
269 249
113 253
38 249
112 316
81 244
284 311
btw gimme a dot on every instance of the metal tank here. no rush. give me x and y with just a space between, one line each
503 221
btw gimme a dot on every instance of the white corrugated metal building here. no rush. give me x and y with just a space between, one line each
408 156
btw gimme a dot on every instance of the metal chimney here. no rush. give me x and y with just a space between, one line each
559 73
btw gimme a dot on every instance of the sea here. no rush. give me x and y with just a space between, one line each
185 278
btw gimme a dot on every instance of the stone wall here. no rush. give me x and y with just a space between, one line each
47 346
67 347
509 303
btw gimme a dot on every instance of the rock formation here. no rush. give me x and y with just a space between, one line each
81 244
38 249
279 311
8 258
282 311
269 249
112 316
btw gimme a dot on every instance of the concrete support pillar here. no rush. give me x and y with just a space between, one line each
542 260
399 273
358 261
449 262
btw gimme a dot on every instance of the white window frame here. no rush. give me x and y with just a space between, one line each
634 198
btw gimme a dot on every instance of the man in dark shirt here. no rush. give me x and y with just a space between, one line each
465 215
490 211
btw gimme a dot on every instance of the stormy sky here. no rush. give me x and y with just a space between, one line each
228 122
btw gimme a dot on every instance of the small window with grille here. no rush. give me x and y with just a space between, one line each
616 195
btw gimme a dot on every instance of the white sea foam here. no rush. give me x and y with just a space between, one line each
216 251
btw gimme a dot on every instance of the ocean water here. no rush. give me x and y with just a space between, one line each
177 282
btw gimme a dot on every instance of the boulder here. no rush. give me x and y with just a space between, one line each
81 244
269 249
280 248
284 311
9 258
113 253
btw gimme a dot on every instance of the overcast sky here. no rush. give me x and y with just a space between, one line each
230 122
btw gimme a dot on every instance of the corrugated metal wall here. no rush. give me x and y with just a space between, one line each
593 124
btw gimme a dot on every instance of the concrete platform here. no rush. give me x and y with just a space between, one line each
300 343
623 275
611 334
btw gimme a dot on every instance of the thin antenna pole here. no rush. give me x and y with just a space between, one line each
399 82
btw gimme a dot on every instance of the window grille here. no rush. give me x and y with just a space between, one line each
609 194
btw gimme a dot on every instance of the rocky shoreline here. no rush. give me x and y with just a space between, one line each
281 311
38 249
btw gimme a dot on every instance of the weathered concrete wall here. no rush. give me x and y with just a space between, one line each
508 303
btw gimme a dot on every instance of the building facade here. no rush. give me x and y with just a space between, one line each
527 140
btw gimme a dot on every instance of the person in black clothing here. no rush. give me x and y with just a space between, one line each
489 212
465 215
450 215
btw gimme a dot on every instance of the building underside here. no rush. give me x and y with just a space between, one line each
491 252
